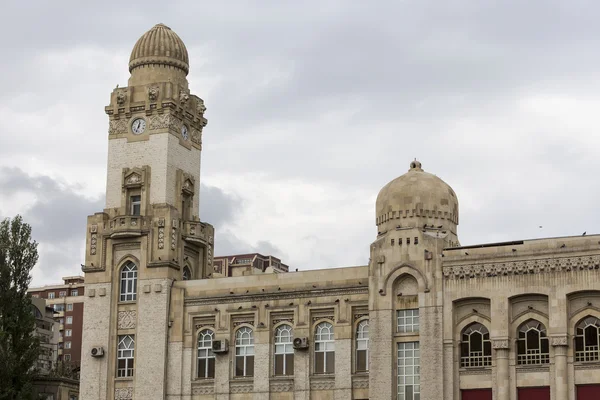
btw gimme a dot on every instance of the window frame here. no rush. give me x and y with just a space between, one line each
205 353
51 295
69 306
285 349
69 320
360 338
68 344
408 314
129 359
532 356
74 292
473 359
247 358
328 341
135 203
589 353
187 269
128 276
68 332
401 369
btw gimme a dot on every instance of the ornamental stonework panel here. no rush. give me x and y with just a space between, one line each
117 126
124 393
127 319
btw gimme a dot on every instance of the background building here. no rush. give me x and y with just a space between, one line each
247 264
426 319
66 301
46 329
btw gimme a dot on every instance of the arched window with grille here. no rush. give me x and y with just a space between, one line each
587 339
324 349
206 357
362 346
128 282
532 344
187 274
475 346
244 352
125 356
284 351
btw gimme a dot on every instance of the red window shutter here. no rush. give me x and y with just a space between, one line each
536 393
476 394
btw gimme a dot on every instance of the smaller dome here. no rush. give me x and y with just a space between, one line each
416 198
160 45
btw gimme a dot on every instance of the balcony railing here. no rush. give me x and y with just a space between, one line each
128 226
196 231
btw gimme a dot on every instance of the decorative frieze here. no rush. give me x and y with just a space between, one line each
359 316
282 386
283 319
320 317
500 344
204 388
161 233
241 387
127 319
322 384
559 340
117 126
360 382
124 393
539 266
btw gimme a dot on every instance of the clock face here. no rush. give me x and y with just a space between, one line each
184 132
138 126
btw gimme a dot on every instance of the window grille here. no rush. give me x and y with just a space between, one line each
475 347
409 369
408 320
532 344
324 349
125 356
284 350
587 339
128 282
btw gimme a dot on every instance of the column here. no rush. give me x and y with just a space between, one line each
502 374
561 379
262 372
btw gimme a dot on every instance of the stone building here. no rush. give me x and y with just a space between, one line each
66 300
425 319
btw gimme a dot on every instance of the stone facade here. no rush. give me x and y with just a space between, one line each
444 321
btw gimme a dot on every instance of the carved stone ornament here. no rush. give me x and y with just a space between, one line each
241 387
359 316
162 121
320 317
283 386
200 107
322 384
153 93
500 344
121 96
184 96
117 126
284 319
133 179
127 319
204 389
124 393
559 340
196 136
360 383
540 266
93 243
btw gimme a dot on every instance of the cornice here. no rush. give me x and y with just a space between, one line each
522 267
257 297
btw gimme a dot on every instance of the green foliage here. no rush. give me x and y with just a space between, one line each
19 347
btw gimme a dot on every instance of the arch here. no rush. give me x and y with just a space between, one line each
471 319
533 346
475 346
128 281
205 358
186 274
400 270
244 351
125 258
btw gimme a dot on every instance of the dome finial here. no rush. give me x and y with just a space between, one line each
415 165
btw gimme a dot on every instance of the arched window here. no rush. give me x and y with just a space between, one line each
362 346
206 357
244 352
128 282
475 346
125 356
187 274
587 339
324 349
284 350
532 344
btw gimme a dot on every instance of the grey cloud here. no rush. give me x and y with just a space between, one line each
217 207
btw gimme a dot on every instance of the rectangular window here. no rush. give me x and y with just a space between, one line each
136 204
69 320
416 240
51 295
69 332
62 293
67 345
69 307
59 307
67 357
408 321
409 368
74 292
407 240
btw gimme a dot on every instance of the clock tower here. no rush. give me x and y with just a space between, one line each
149 234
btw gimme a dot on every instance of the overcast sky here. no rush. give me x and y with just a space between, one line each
313 106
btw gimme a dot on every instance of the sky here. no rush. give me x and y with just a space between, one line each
313 107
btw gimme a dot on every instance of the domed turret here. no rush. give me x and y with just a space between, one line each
158 55
416 199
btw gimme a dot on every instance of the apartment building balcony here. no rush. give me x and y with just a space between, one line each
61 327
59 314
60 352
61 339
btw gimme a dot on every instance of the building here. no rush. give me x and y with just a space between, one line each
46 329
426 319
247 264
67 302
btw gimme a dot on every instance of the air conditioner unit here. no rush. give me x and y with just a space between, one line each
220 346
301 343
97 352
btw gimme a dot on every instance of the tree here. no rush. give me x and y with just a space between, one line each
18 345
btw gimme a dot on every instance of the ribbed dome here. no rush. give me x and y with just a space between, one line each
160 45
415 199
